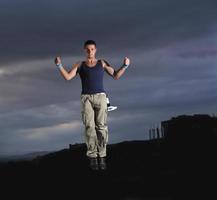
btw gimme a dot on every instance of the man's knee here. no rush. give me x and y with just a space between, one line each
89 127
90 131
100 126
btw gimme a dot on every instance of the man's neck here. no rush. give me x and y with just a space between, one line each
91 60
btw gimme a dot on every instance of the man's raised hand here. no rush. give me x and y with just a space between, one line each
57 60
126 61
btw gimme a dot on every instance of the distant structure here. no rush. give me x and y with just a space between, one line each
188 128
190 140
196 124
185 127
156 132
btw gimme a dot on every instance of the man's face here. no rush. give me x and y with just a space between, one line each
90 50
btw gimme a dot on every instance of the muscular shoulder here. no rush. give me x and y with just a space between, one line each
104 63
77 64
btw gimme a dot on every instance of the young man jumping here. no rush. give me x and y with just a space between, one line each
93 100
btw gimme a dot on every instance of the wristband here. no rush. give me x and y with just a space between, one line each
125 66
59 65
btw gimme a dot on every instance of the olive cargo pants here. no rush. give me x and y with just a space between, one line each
94 116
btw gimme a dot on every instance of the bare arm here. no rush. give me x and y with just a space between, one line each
74 70
116 74
65 74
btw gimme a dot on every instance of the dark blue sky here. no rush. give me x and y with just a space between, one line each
173 50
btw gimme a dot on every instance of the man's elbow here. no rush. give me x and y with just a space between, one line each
68 78
116 77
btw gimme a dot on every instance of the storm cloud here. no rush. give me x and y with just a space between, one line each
172 46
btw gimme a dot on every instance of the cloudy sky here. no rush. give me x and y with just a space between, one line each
172 45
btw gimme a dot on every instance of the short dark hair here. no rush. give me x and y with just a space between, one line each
89 42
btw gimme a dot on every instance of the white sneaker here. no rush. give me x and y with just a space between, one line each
111 108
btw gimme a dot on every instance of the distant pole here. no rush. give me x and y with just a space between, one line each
162 131
150 135
153 133
158 133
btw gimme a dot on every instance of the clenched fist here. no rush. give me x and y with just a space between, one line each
57 60
126 61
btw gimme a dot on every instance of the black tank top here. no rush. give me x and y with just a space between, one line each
91 78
